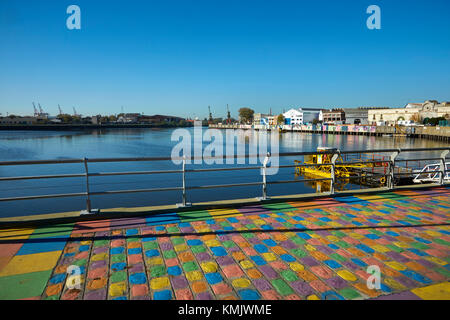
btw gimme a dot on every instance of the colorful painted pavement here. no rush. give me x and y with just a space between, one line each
315 249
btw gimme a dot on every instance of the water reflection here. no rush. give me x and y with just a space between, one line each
105 143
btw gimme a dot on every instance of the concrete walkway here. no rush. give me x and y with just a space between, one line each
314 249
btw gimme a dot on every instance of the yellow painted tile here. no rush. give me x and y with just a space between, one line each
118 289
440 291
437 260
99 257
181 247
155 261
213 243
225 213
333 238
395 265
380 248
401 244
312 297
268 256
159 283
241 283
246 264
31 263
310 247
296 266
194 275
347 275
209 266
15 234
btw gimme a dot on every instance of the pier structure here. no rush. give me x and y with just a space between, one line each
425 132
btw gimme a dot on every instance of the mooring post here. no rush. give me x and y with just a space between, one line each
333 170
442 167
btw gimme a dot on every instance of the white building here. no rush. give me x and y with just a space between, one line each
293 116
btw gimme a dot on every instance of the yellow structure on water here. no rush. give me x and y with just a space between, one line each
319 165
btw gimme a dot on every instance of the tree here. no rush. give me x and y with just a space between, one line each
246 114
280 119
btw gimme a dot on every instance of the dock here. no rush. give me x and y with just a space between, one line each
311 248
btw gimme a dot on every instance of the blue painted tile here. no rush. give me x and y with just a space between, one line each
213 278
219 251
248 294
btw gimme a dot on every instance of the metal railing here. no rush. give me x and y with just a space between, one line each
391 160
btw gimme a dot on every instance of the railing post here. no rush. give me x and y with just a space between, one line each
443 167
89 209
184 203
333 170
390 180
263 170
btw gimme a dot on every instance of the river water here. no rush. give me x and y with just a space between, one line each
119 143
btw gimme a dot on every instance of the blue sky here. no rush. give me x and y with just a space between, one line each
178 57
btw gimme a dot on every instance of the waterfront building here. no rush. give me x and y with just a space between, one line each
17 120
333 116
357 116
260 118
412 112
310 114
293 117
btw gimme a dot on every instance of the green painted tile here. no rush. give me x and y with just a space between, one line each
349 293
169 254
118 258
198 249
299 252
23 286
190 266
282 287
118 276
149 245
157 271
289 275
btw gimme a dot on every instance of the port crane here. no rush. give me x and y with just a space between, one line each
74 112
228 115
210 115
60 111
36 113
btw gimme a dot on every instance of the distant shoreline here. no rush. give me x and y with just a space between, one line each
62 127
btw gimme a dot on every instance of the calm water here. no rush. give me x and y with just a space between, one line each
117 143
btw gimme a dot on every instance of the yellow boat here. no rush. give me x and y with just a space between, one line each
320 165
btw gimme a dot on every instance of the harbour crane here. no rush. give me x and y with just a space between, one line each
210 115
36 113
41 112
74 111
60 111
228 115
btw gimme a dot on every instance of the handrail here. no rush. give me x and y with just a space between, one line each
389 173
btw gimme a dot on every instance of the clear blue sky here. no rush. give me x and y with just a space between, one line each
178 57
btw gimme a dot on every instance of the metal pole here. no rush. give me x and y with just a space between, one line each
89 209
263 170
333 170
184 203
442 166
390 182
